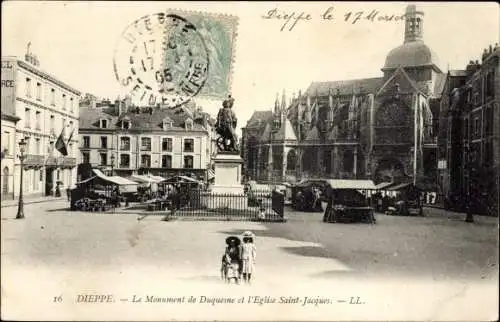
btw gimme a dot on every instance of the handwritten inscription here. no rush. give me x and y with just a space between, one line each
292 19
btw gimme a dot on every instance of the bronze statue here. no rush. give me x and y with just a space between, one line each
226 126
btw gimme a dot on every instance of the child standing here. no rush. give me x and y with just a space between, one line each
248 255
230 260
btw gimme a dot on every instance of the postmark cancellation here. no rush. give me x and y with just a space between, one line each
169 57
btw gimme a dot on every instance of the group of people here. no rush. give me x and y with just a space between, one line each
238 260
310 198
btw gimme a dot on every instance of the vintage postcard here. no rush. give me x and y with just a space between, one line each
241 161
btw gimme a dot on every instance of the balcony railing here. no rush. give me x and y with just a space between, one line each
34 160
68 161
61 161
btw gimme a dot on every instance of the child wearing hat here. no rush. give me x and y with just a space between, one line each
231 260
248 255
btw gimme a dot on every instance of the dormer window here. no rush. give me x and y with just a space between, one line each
167 123
103 124
126 124
189 124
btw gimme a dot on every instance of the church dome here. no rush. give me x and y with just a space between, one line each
411 54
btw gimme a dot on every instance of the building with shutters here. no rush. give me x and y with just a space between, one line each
38 107
119 137
382 128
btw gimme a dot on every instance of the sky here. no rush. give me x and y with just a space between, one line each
75 42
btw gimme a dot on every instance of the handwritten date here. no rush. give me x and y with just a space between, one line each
291 19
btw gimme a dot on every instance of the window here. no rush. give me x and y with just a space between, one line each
466 129
488 125
41 175
70 149
53 97
125 143
126 125
52 124
72 104
6 143
145 144
166 145
104 142
86 157
104 124
38 91
476 127
189 124
146 161
188 162
37 147
167 124
38 116
124 161
50 148
64 126
27 118
86 141
28 87
58 174
104 158
490 84
166 161
64 101
188 145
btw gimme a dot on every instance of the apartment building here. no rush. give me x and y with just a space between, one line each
45 108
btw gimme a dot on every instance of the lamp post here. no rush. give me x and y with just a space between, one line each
20 207
112 163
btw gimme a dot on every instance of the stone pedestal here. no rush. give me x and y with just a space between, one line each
228 173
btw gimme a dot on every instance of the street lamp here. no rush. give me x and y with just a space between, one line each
20 207
112 163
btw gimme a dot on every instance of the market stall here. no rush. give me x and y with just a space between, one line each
100 192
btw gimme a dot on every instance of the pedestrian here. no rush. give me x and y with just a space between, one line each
248 255
231 266
68 193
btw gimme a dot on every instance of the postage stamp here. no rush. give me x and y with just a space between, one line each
169 57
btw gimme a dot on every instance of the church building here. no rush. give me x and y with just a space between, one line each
382 128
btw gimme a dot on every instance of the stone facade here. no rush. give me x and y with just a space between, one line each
379 128
116 136
44 108
469 138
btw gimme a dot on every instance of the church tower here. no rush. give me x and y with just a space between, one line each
414 24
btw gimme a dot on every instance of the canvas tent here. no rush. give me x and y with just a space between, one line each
124 185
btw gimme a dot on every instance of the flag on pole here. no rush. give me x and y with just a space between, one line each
61 145
70 136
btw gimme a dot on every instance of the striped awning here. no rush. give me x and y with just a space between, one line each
210 174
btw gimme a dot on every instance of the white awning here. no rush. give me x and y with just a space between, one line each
114 179
352 184
210 174
384 185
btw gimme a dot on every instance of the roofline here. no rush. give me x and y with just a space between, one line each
47 76
434 67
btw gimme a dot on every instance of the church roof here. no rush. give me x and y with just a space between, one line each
369 85
411 54
259 119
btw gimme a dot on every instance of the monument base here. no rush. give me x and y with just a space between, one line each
228 174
